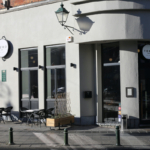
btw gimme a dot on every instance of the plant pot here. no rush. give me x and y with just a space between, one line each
55 122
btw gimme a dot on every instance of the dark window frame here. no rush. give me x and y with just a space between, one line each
20 77
51 67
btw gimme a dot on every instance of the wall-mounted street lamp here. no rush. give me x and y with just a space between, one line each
62 16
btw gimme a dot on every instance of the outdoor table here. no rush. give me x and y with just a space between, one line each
30 112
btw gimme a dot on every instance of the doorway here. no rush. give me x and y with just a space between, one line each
144 85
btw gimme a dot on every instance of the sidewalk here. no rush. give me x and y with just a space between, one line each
80 137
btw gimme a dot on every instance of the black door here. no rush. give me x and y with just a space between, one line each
144 86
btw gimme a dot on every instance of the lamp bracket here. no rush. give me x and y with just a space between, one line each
73 29
65 26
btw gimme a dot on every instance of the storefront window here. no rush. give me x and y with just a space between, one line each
29 78
111 81
55 56
55 73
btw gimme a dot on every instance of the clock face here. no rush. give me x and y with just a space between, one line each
3 48
146 51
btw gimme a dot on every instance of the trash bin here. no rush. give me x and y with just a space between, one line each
124 122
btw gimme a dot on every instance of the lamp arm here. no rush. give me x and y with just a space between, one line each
68 28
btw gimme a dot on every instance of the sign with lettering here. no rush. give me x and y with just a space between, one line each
146 51
3 47
3 75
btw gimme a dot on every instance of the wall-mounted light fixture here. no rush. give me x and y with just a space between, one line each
72 65
40 67
15 69
62 16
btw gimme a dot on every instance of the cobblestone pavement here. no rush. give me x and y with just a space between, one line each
80 137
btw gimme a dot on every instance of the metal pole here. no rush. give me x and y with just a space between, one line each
66 136
11 136
117 136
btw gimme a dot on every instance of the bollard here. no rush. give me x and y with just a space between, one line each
11 136
117 136
66 136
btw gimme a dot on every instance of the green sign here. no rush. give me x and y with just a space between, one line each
3 75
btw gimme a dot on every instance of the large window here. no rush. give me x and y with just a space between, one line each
111 81
55 73
29 78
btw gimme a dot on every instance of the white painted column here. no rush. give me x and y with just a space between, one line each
129 78
73 79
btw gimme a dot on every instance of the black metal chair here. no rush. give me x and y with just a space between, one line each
1 116
8 112
40 115
23 114
49 113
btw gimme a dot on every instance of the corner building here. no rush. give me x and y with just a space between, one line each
109 51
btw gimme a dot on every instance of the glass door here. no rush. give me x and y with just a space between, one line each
111 82
144 83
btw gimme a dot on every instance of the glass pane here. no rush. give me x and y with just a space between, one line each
111 93
34 84
111 82
50 83
60 17
111 53
55 56
26 104
61 82
34 104
65 16
29 58
25 84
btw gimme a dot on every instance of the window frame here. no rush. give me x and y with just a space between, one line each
52 67
29 69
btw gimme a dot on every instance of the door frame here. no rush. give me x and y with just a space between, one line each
139 56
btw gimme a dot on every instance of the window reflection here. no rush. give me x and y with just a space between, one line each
55 56
34 84
56 80
29 58
111 53
111 81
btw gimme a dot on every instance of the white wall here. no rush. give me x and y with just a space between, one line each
32 27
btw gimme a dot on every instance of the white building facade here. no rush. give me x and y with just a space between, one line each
109 54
